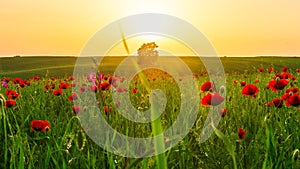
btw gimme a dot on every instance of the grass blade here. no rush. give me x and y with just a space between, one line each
229 146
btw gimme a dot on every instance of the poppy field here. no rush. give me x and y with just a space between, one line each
40 122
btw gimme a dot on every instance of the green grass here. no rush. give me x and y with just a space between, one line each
26 67
272 134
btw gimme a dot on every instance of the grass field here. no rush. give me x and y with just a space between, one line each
254 132
26 67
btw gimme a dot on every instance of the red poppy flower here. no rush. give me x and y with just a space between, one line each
270 70
63 85
7 79
223 112
112 80
57 92
284 69
73 96
22 83
269 104
52 86
235 82
134 90
256 81
122 79
17 80
278 103
293 90
104 86
40 125
105 77
9 103
82 89
36 78
278 84
46 87
260 69
207 86
212 99
243 83
293 78
241 133
71 78
27 82
285 96
12 94
76 109
283 75
73 84
250 90
293 100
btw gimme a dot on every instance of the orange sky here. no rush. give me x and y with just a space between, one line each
235 28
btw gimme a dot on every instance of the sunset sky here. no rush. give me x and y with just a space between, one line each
235 28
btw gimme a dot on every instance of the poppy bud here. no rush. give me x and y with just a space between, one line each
134 90
241 133
76 109
223 112
105 109
222 90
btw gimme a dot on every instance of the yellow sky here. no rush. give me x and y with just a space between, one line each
235 28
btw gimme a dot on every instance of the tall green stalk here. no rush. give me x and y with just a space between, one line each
156 123
4 130
158 139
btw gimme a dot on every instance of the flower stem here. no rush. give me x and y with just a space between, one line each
5 133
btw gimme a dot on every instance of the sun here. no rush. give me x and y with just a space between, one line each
166 45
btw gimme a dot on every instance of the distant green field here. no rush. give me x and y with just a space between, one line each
26 67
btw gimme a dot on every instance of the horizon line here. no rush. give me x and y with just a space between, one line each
221 56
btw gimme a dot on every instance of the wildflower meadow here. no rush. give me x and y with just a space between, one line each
40 122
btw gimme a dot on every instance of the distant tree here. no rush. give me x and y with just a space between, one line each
147 54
